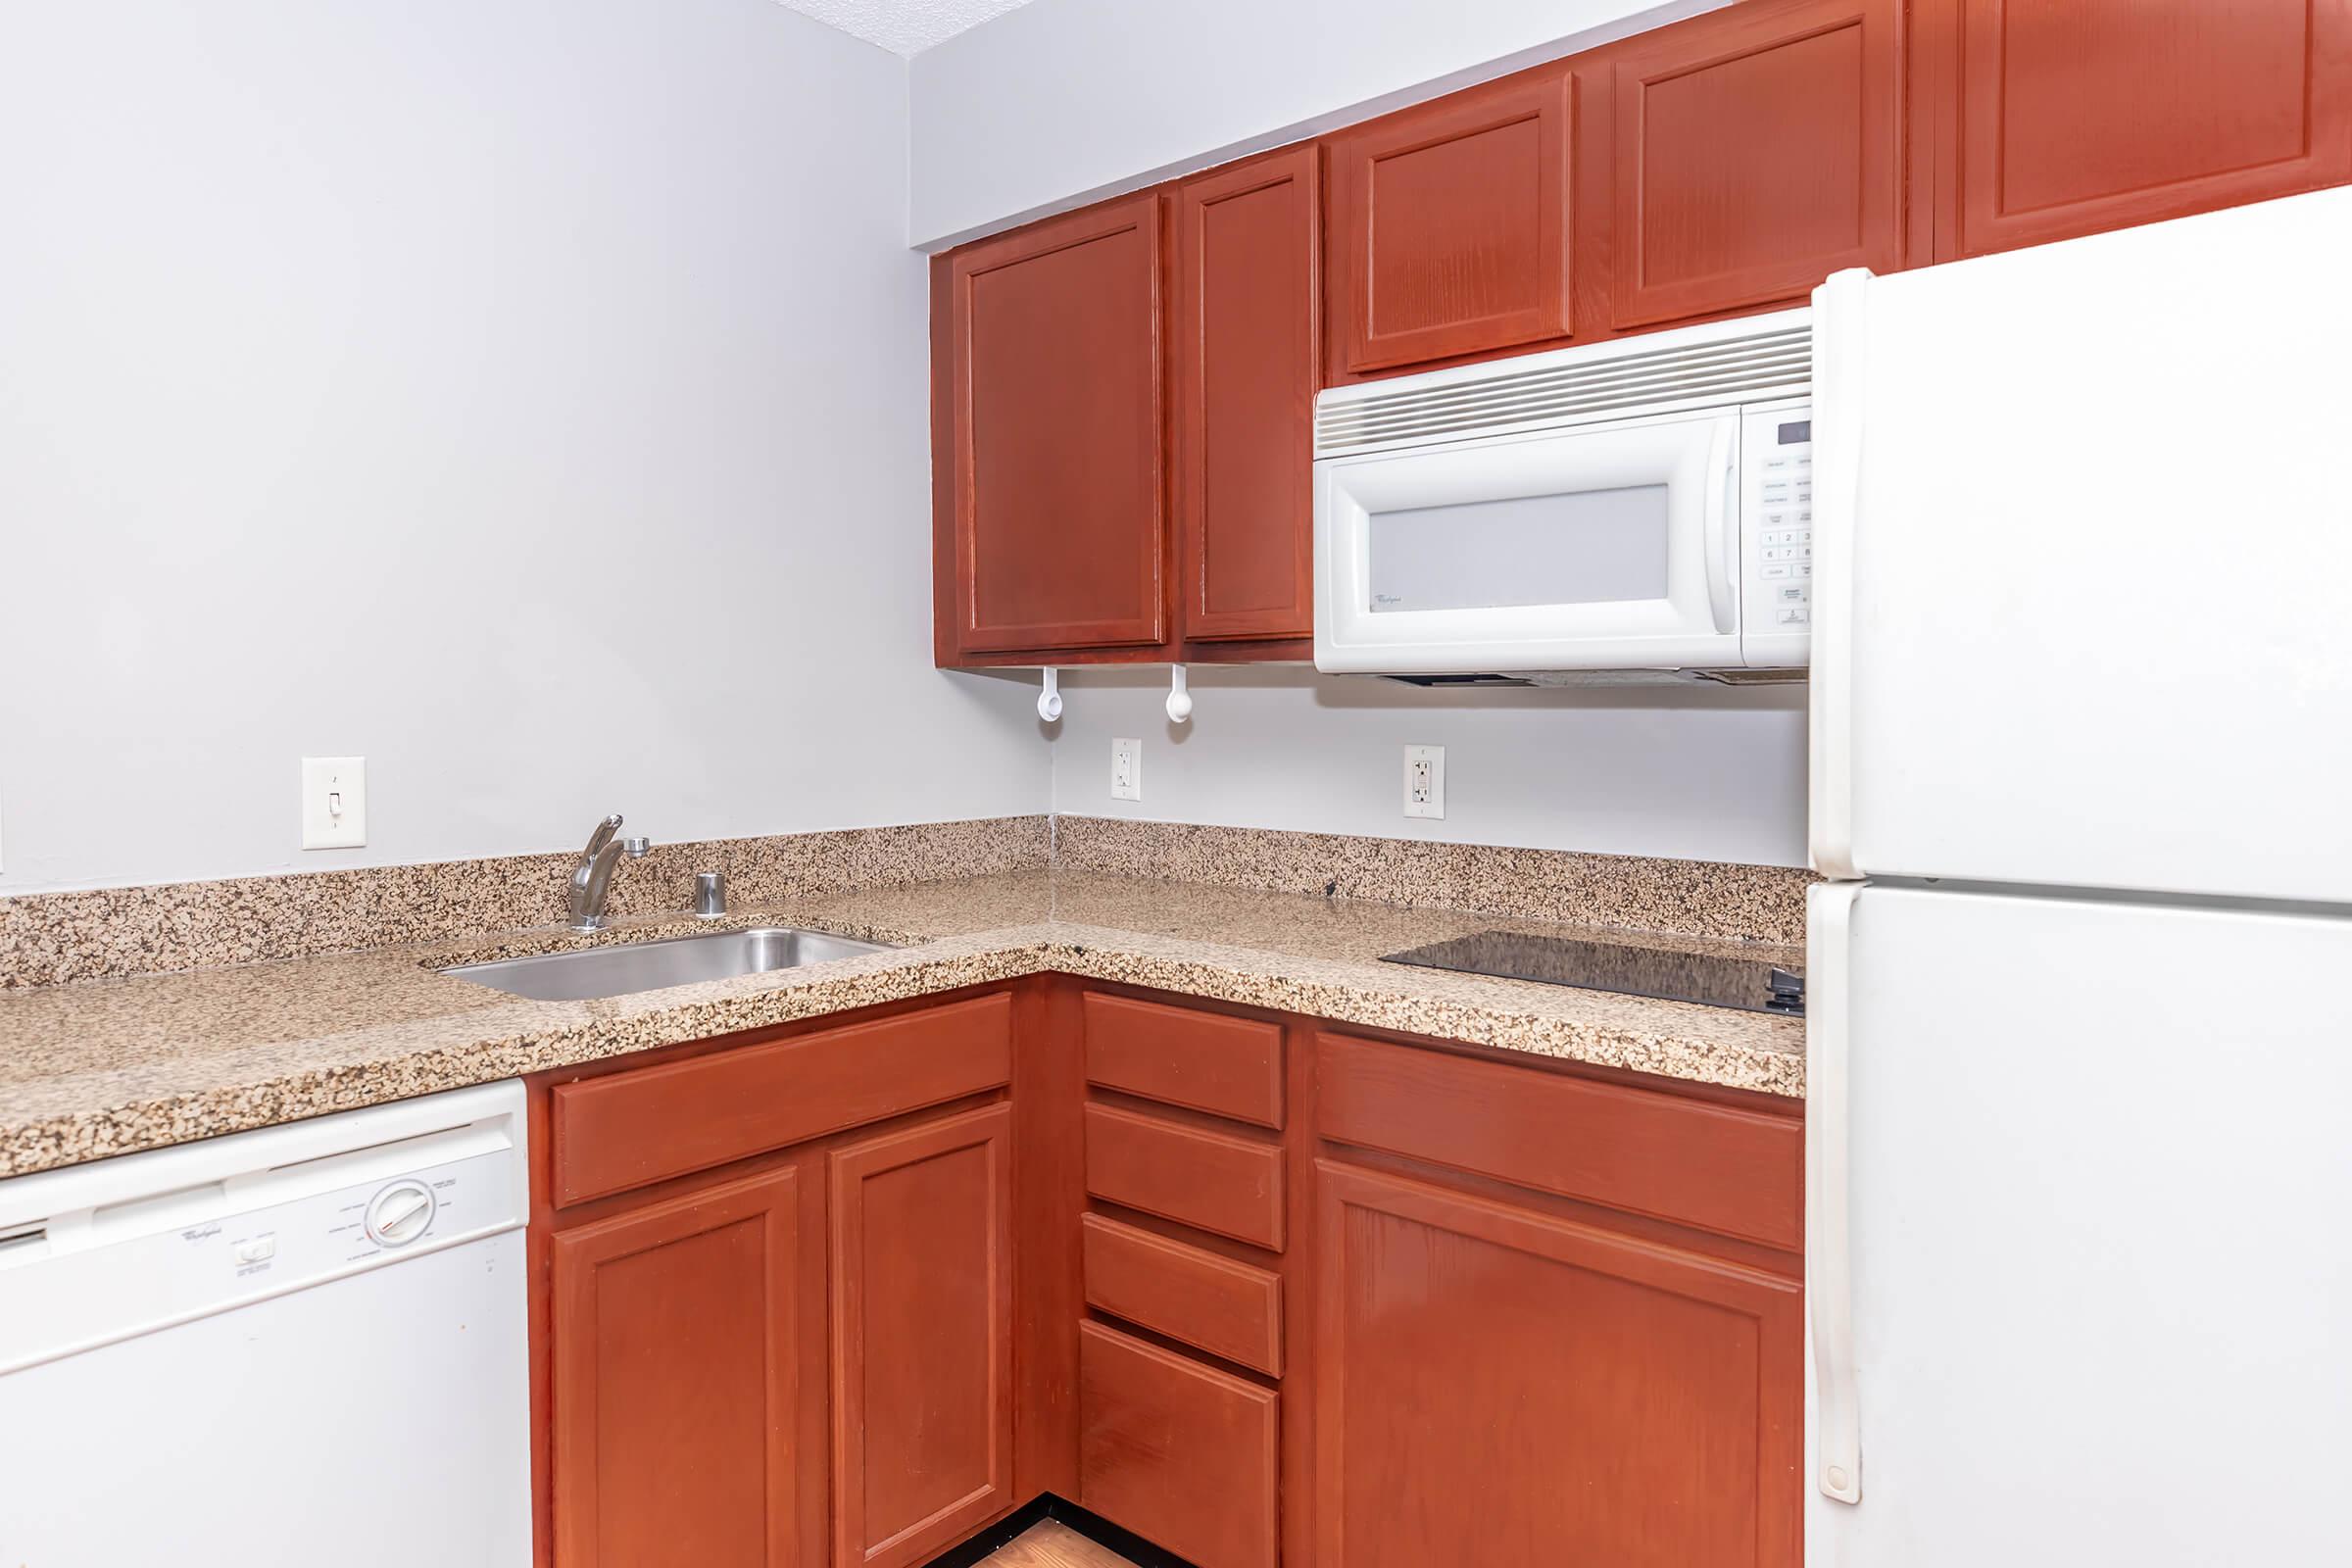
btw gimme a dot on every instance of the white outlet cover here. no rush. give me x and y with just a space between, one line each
1425 781
1126 769
334 803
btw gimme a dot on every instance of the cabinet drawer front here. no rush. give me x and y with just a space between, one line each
1180 1454
1212 1180
634 1128
1735 1172
1203 1061
1226 1307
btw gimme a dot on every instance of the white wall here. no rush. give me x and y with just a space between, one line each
1690 773
1063 101
527 396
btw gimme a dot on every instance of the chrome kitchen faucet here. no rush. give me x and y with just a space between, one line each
592 878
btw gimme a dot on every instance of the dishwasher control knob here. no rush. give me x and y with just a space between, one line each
399 1215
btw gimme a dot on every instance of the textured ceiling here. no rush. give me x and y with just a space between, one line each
903 26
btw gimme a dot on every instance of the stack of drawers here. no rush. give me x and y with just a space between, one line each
1186 1181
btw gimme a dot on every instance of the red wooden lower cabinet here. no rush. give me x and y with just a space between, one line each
922 1338
1316 1299
1502 1387
674 1358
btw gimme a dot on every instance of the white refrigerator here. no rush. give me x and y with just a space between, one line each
2080 1118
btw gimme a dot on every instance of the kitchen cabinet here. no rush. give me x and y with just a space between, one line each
1051 495
922 1265
2072 116
1191 1199
1245 345
850 1292
1723 163
1448 226
776 1291
676 1356
1505 1386
1755 151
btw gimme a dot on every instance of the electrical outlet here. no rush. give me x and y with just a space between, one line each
334 803
1425 781
1126 769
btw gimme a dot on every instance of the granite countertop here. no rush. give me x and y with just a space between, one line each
110 1066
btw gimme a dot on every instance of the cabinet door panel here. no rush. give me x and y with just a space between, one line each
1757 150
1245 348
2076 115
922 1338
1057 534
674 1383
1500 1386
1450 224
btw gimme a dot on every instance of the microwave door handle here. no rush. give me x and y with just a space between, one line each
1723 533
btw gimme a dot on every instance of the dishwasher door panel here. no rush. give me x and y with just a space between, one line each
375 1421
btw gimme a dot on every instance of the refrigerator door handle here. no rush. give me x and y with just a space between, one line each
1828 1250
1839 365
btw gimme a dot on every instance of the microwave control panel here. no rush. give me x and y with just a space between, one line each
1777 538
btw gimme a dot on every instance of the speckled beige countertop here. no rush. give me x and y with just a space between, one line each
110 1066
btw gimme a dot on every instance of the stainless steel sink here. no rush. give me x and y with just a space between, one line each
623 968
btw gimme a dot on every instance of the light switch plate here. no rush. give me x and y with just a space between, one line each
1126 769
1425 781
334 803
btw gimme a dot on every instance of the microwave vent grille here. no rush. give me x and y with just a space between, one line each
1699 375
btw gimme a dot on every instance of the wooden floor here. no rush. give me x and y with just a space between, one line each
1054 1545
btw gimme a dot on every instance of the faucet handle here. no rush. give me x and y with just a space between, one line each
602 836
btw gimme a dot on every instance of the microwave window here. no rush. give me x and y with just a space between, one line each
1584 547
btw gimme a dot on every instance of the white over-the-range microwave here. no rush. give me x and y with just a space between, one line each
1634 510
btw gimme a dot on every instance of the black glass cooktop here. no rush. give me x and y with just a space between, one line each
1712 980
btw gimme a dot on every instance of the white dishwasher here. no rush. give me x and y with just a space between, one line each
281 1349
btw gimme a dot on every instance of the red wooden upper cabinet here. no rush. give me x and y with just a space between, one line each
1756 150
1052 521
1247 306
2076 115
1449 225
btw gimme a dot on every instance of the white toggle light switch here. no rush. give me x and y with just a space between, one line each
334 801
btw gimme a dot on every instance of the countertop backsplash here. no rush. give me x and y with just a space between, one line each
52 938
